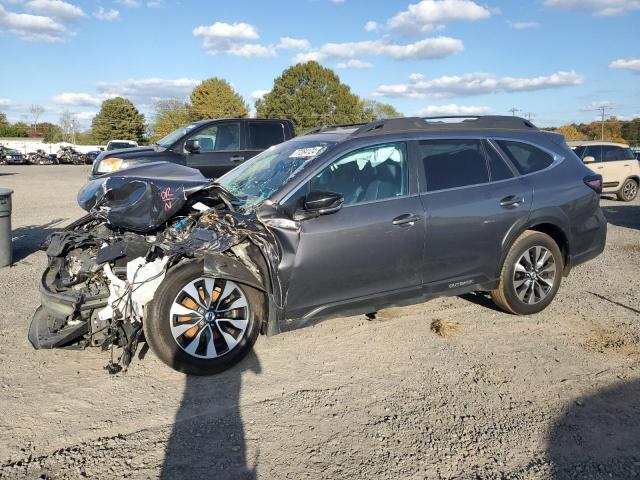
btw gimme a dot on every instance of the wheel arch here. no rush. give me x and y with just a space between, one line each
549 227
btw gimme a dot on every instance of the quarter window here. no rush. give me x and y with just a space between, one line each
525 157
594 151
366 175
453 163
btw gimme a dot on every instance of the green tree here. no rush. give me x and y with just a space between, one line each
169 115
373 110
18 129
310 95
51 133
118 118
3 120
216 98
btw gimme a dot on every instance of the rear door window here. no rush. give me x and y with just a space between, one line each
263 135
452 163
525 157
612 153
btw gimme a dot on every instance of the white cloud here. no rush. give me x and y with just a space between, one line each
131 3
230 39
149 88
632 64
453 109
476 84
429 48
143 91
598 7
63 11
427 16
106 15
258 94
85 116
288 43
80 98
5 102
371 26
414 77
523 25
355 63
32 28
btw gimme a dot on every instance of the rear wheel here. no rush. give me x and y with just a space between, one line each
202 325
530 276
628 191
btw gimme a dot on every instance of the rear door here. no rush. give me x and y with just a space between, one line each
220 149
261 135
473 198
617 163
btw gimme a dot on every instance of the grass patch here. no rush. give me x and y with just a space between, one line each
445 328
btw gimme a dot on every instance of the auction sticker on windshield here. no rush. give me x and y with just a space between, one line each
307 152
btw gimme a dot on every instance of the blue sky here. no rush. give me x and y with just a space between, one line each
558 59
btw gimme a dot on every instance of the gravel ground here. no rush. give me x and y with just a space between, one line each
495 396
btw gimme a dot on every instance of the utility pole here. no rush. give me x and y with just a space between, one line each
602 109
530 115
513 110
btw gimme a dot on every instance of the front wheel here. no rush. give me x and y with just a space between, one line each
202 325
530 276
628 191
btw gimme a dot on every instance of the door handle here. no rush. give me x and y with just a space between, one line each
237 158
406 218
511 201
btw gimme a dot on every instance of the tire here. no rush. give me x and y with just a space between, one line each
629 190
161 323
511 295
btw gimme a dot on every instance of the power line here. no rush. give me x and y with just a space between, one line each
513 110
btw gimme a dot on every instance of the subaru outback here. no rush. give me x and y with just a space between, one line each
341 221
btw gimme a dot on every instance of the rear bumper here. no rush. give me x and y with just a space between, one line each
595 247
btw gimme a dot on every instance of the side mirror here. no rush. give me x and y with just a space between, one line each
589 159
192 145
319 203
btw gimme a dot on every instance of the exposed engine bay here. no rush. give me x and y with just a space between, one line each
104 269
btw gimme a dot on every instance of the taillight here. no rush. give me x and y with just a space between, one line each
594 182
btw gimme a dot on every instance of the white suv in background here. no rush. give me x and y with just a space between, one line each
617 164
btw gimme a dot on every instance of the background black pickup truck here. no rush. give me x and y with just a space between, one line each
212 146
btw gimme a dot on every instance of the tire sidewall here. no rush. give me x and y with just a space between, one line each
541 240
157 328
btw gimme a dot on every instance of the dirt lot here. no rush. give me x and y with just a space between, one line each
551 396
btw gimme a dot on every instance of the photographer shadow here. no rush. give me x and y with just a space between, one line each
208 439
598 436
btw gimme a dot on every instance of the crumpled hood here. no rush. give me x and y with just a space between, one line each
141 198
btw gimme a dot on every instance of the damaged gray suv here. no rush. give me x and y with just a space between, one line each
341 221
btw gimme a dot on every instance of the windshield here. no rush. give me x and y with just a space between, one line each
117 145
257 179
174 136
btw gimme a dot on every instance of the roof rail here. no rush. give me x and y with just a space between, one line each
441 123
326 128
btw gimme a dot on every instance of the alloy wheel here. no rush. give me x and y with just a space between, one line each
209 317
534 275
629 190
